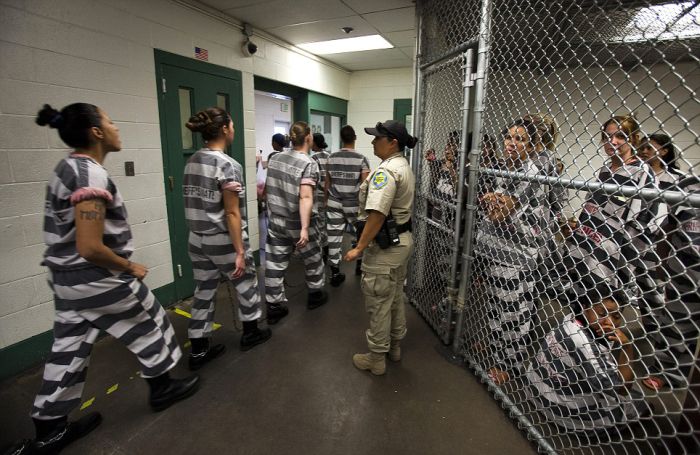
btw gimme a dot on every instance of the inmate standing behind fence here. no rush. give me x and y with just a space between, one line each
96 287
291 178
214 194
386 202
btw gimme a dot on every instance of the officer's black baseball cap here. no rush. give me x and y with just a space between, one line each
393 130
320 141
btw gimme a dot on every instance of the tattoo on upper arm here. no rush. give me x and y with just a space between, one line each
96 213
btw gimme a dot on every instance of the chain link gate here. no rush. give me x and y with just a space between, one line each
557 213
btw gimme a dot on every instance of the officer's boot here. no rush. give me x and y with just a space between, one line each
202 353
166 391
373 361
275 312
337 277
253 336
395 350
317 297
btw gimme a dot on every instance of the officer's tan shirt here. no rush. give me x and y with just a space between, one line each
390 187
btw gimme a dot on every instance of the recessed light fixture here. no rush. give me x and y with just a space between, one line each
337 46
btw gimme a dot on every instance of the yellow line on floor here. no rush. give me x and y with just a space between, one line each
188 315
113 388
87 403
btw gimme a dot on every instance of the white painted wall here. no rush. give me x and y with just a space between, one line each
372 95
101 52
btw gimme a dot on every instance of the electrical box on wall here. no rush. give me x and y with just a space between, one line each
129 168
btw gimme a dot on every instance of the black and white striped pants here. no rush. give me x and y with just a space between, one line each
337 218
213 256
89 300
282 236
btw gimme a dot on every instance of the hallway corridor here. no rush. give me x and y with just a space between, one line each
297 394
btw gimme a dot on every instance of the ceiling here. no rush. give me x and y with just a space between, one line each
304 21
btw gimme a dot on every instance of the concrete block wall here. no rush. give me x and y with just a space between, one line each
372 95
101 52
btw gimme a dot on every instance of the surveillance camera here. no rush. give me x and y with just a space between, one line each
347 30
249 48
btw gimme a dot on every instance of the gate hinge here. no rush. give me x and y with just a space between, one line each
162 84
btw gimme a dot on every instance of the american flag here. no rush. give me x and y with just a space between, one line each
201 54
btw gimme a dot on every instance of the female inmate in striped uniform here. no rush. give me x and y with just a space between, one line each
347 169
292 177
214 193
508 243
574 379
96 286
321 156
611 244
678 240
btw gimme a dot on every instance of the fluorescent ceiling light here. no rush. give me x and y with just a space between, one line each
337 46
671 21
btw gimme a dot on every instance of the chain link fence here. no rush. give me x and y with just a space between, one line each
557 213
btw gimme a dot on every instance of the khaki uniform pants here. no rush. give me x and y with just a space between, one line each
384 272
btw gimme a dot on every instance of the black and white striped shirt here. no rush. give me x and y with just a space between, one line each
78 178
286 172
573 379
321 159
207 174
345 168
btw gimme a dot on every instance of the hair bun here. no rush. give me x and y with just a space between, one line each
411 141
49 116
198 122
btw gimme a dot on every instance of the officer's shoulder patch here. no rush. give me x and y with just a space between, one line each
379 180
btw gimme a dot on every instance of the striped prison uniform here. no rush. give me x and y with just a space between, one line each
286 173
550 265
321 159
345 168
208 173
572 381
676 342
88 298
612 242
507 256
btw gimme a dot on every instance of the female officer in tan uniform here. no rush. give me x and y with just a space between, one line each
386 199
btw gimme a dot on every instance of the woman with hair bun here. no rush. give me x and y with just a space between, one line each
95 284
214 193
292 176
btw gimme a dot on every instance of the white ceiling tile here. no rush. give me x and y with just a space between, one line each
324 30
401 39
409 51
384 64
394 20
371 6
228 4
279 12
376 55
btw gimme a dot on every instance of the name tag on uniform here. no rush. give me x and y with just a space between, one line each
379 180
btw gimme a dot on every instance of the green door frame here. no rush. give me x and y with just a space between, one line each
402 108
167 294
305 101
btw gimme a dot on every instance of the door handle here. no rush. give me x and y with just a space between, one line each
171 181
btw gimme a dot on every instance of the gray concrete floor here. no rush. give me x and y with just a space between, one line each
297 394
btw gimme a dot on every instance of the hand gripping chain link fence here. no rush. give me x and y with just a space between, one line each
557 213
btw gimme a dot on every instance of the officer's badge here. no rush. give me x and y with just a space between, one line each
379 180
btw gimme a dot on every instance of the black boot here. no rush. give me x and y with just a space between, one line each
337 277
253 336
201 353
166 391
54 435
275 312
316 298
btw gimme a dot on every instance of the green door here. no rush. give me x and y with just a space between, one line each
187 86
